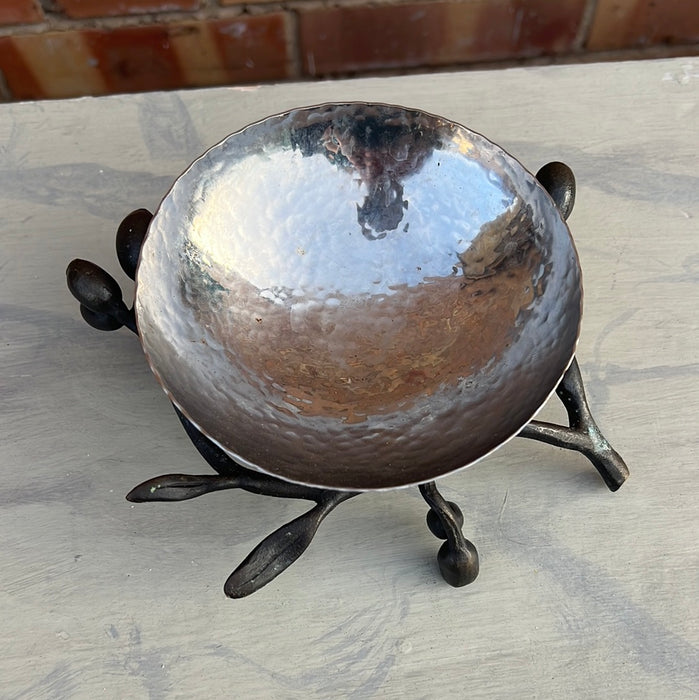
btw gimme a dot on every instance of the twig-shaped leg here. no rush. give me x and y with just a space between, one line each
278 550
457 557
583 434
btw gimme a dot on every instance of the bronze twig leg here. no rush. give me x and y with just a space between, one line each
457 557
277 551
582 434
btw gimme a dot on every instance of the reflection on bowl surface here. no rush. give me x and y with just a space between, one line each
358 296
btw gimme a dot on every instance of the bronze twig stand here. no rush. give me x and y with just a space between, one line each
102 306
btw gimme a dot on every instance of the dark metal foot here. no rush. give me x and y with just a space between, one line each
583 434
457 557
278 550
281 549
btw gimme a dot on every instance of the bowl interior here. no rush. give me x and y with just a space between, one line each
358 296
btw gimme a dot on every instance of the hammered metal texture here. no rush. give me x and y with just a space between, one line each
358 296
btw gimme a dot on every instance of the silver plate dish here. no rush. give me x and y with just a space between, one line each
358 296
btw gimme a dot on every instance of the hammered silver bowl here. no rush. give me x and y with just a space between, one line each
358 296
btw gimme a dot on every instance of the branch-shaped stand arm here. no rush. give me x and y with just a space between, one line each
255 482
278 550
583 434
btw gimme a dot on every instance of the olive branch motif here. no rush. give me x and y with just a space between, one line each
102 306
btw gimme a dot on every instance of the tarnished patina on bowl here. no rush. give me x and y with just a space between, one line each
358 296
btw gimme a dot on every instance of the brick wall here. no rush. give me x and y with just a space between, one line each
66 48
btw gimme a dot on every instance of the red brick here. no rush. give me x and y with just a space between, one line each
352 38
620 24
253 47
79 9
163 57
60 62
241 50
19 78
20 12
242 2
135 59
